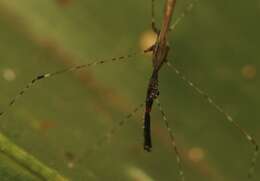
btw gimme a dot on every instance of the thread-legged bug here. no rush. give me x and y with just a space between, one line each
160 50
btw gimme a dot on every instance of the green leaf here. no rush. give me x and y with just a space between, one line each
60 119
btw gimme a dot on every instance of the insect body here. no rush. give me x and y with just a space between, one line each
160 51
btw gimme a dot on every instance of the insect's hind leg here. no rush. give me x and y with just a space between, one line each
106 138
228 117
155 29
173 142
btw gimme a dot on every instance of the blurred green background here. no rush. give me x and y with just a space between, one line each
60 119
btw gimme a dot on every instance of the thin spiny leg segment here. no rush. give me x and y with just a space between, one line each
70 69
183 14
121 123
112 131
248 137
153 19
173 142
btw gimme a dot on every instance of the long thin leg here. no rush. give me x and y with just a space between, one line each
111 132
186 11
121 123
173 142
155 29
248 137
70 69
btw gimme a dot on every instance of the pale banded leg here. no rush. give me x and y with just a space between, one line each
120 124
183 14
70 69
153 19
111 132
248 137
173 142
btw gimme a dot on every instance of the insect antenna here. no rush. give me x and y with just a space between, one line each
228 117
173 142
51 74
186 11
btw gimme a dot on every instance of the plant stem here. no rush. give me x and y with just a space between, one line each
28 162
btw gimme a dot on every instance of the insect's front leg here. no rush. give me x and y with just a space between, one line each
155 29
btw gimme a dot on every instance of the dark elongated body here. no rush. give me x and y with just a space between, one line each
160 51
